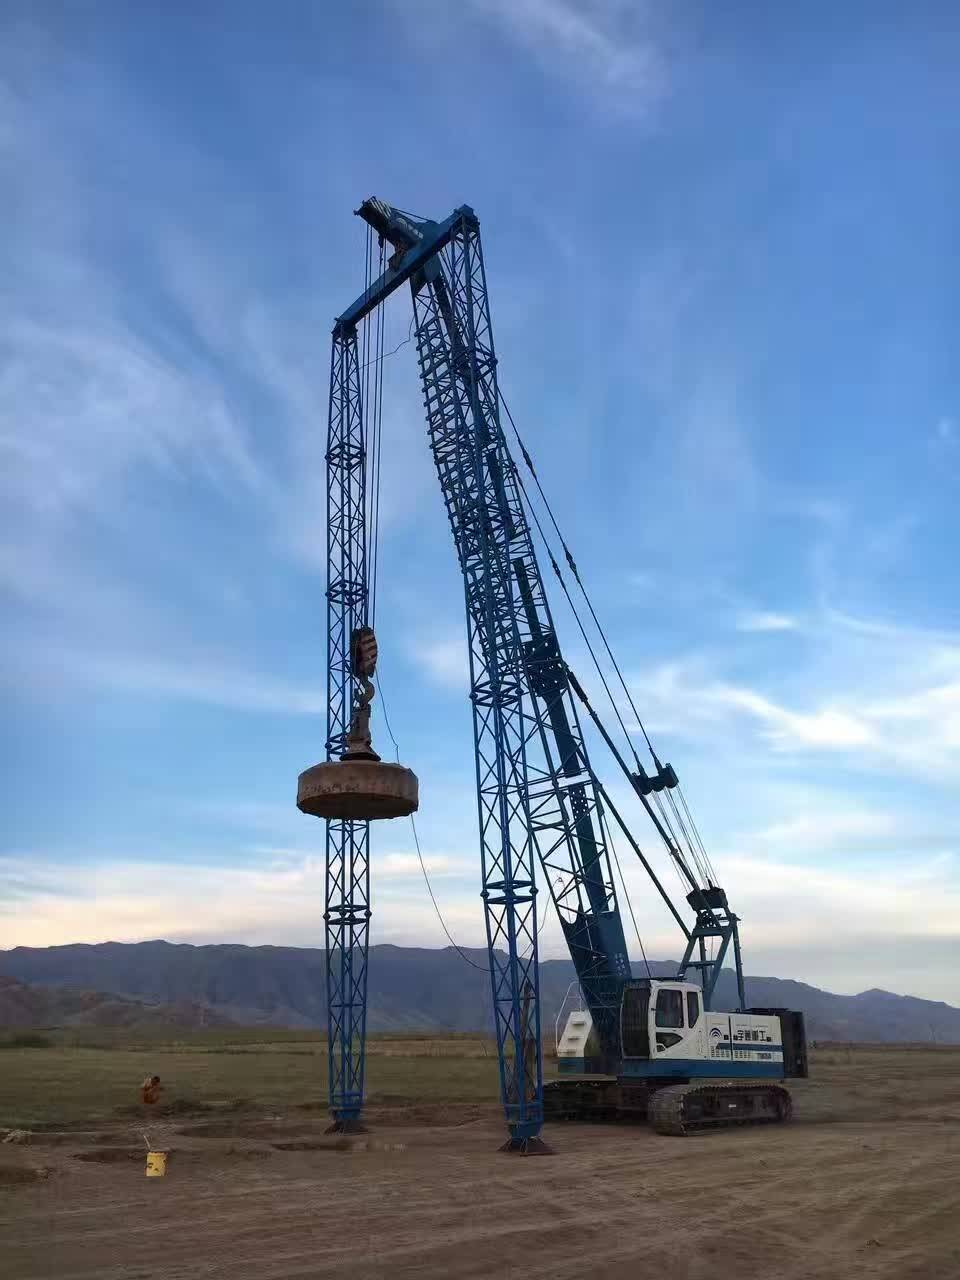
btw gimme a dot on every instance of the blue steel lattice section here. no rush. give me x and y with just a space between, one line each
347 878
535 785
459 439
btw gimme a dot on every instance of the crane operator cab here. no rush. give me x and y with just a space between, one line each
665 1031
667 1038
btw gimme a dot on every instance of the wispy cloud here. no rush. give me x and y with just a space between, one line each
826 726
767 621
83 400
606 47
443 658
214 680
44 903
885 697
838 930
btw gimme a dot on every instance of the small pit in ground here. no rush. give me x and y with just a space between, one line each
231 1129
13 1174
313 1144
111 1155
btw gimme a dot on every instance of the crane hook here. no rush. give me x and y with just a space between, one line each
363 662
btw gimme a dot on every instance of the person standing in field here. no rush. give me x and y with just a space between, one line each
150 1090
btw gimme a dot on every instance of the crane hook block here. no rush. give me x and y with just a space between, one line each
363 651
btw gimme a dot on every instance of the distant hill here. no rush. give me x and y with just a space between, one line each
413 988
25 1005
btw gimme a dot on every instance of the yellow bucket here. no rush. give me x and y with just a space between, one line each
156 1164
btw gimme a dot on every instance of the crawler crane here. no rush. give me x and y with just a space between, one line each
661 1049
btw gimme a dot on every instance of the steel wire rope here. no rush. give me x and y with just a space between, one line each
696 832
671 847
416 840
694 853
586 639
371 486
426 877
611 844
673 844
393 351
674 850
575 571
377 450
363 390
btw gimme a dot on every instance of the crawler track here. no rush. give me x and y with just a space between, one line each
690 1108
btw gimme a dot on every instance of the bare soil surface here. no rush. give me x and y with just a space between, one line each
865 1184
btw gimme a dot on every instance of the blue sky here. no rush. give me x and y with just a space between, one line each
721 250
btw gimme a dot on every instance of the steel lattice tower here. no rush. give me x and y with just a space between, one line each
347 879
536 794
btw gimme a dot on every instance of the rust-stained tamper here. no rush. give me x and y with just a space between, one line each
359 786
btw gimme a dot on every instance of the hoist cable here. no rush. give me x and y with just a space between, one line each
677 851
694 853
363 390
576 573
699 857
611 845
416 840
393 351
377 451
631 840
696 832
563 585
573 608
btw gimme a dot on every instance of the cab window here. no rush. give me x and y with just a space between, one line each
693 1008
669 1009
666 1040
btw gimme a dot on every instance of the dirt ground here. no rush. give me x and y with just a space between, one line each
252 1192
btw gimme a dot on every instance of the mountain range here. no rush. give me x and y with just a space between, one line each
410 989
26 1005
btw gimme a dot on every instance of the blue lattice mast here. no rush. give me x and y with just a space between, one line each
536 792
353 786
347 880
452 364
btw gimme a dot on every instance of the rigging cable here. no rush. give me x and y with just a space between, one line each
586 639
377 449
607 835
364 393
694 853
393 351
672 843
423 866
696 832
677 844
576 573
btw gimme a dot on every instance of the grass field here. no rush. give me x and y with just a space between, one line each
91 1076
